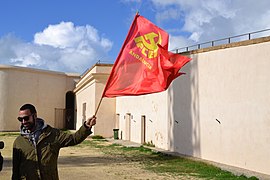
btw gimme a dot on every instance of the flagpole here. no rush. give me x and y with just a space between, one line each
98 105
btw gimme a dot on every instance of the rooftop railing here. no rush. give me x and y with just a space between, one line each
238 38
103 62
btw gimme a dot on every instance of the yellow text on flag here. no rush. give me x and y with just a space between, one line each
137 56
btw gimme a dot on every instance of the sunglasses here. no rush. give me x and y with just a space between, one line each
25 118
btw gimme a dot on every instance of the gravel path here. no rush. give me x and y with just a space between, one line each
89 163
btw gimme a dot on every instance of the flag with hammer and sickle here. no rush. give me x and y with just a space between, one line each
144 64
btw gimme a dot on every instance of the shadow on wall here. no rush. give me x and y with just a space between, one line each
184 127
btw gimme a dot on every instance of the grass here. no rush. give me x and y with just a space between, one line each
180 166
150 144
9 133
165 164
97 137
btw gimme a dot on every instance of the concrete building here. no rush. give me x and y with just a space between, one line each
88 94
218 111
51 92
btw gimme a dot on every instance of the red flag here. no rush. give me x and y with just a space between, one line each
144 64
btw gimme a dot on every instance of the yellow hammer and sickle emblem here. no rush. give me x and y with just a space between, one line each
148 45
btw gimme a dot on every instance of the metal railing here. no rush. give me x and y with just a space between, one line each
98 62
238 38
103 62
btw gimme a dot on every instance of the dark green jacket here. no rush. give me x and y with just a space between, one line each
40 162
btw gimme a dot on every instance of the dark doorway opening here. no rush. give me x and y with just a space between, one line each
69 116
143 125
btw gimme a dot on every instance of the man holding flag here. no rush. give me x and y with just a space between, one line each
36 149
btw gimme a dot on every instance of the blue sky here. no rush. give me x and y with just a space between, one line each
70 36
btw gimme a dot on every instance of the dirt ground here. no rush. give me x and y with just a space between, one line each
87 163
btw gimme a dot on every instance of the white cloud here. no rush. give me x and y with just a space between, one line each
60 47
7 45
168 14
214 19
27 60
178 42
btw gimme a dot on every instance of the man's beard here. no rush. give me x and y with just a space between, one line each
30 126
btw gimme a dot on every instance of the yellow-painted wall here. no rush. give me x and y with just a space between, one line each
88 91
44 89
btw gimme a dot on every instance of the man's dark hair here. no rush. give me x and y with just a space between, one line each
30 107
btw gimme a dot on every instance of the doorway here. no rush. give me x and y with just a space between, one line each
69 111
142 129
128 124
